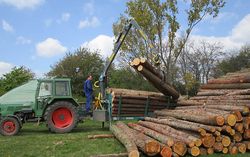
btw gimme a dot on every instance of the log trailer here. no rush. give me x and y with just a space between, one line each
51 100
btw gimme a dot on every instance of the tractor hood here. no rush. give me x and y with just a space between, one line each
20 95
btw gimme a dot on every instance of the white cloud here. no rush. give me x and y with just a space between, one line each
22 40
103 43
237 38
7 27
5 68
49 48
93 22
22 4
89 7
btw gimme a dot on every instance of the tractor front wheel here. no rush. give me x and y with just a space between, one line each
9 126
61 117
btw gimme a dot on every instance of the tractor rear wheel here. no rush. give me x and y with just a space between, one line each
61 117
9 126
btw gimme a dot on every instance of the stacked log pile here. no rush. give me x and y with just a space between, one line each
154 76
217 120
135 102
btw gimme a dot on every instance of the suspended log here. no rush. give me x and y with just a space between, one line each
147 65
111 155
146 144
163 87
209 120
125 140
135 62
168 140
100 136
226 86
167 130
182 124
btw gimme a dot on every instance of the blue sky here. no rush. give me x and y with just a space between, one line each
37 33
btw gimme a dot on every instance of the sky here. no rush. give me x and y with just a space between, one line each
37 33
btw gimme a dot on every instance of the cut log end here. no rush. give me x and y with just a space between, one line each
233 150
136 61
208 140
166 152
180 148
226 141
210 151
170 142
198 142
247 134
220 120
231 120
194 151
134 153
225 150
152 148
242 148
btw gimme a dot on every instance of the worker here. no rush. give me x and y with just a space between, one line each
88 90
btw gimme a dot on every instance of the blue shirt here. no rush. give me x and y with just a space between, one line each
87 88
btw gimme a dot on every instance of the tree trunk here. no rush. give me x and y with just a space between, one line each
125 140
146 144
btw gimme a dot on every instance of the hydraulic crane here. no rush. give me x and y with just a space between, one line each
103 101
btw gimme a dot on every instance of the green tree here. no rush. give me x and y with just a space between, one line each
16 77
86 61
234 62
126 78
158 18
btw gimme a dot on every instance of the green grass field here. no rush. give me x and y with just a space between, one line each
37 141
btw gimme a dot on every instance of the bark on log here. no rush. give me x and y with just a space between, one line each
100 136
227 86
167 130
209 120
163 87
168 140
146 144
238 79
121 91
182 124
240 92
125 140
149 66
231 97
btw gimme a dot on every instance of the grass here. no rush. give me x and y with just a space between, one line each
35 141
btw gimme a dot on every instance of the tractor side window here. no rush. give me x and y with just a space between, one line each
45 89
62 88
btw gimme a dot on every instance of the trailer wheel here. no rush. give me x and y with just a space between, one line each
9 126
61 117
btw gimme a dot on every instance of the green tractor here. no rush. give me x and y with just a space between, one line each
48 100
